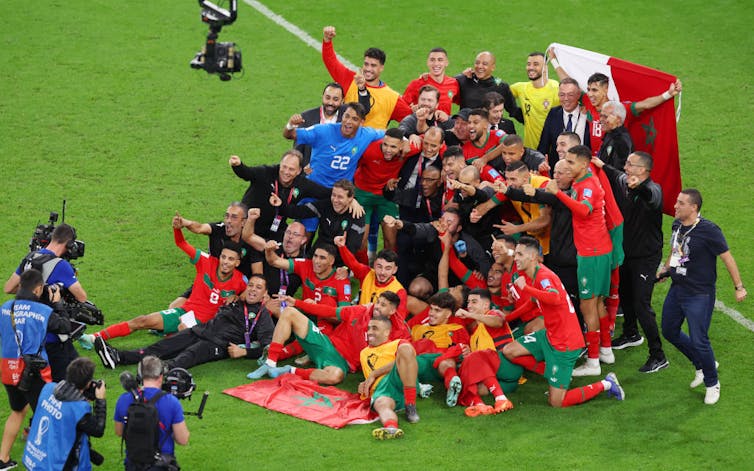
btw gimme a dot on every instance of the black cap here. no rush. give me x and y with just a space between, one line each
463 113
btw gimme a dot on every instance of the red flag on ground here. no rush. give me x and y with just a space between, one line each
292 395
653 131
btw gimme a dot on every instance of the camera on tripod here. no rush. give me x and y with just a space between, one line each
218 58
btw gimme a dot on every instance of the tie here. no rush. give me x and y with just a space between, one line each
569 126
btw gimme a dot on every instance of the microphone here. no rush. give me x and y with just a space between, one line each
129 383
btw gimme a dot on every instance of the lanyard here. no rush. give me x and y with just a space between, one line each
247 333
677 243
283 287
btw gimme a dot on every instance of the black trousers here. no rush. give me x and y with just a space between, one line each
637 281
184 349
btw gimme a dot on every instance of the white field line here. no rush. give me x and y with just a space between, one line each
294 30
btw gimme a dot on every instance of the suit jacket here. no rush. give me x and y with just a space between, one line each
551 130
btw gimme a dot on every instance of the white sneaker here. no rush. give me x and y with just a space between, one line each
606 355
699 377
713 394
590 368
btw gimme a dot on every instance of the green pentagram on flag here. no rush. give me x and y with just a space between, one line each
651 132
317 399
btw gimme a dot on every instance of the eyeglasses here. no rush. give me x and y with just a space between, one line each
234 217
293 234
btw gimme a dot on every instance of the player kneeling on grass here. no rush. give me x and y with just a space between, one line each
390 373
560 344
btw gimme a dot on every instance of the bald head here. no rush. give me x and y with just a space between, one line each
484 65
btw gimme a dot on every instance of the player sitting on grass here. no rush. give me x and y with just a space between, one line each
333 356
217 282
390 377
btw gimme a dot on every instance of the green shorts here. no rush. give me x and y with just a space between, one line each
594 275
391 386
427 372
321 350
558 365
171 318
616 235
508 374
378 203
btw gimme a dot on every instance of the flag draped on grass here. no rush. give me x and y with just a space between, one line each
653 131
325 405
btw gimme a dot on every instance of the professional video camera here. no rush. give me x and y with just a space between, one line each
43 235
176 381
218 58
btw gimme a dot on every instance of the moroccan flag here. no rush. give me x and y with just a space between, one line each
654 130
289 394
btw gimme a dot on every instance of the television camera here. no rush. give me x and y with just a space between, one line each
222 58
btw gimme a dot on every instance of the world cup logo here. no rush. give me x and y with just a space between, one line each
44 424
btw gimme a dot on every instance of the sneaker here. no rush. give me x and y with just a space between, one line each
303 360
590 368
411 415
615 389
387 433
259 372
107 354
479 409
454 390
654 364
606 355
502 406
624 342
10 464
276 371
86 341
713 394
425 390
699 377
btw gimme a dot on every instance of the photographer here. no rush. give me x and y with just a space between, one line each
55 271
59 435
24 323
173 427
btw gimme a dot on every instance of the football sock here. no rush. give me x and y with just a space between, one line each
390 424
409 394
593 344
273 354
304 373
605 331
120 329
494 387
290 350
578 395
448 375
530 363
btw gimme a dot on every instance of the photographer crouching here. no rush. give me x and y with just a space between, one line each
24 323
64 421
143 453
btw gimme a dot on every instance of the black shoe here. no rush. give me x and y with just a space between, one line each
624 342
411 415
654 364
107 354
10 464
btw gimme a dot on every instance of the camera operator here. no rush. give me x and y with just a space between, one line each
173 427
55 271
64 420
24 323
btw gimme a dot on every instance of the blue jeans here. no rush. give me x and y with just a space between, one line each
696 309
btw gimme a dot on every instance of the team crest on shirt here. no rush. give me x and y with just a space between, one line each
546 104
343 224
295 192
450 94
587 192
354 150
